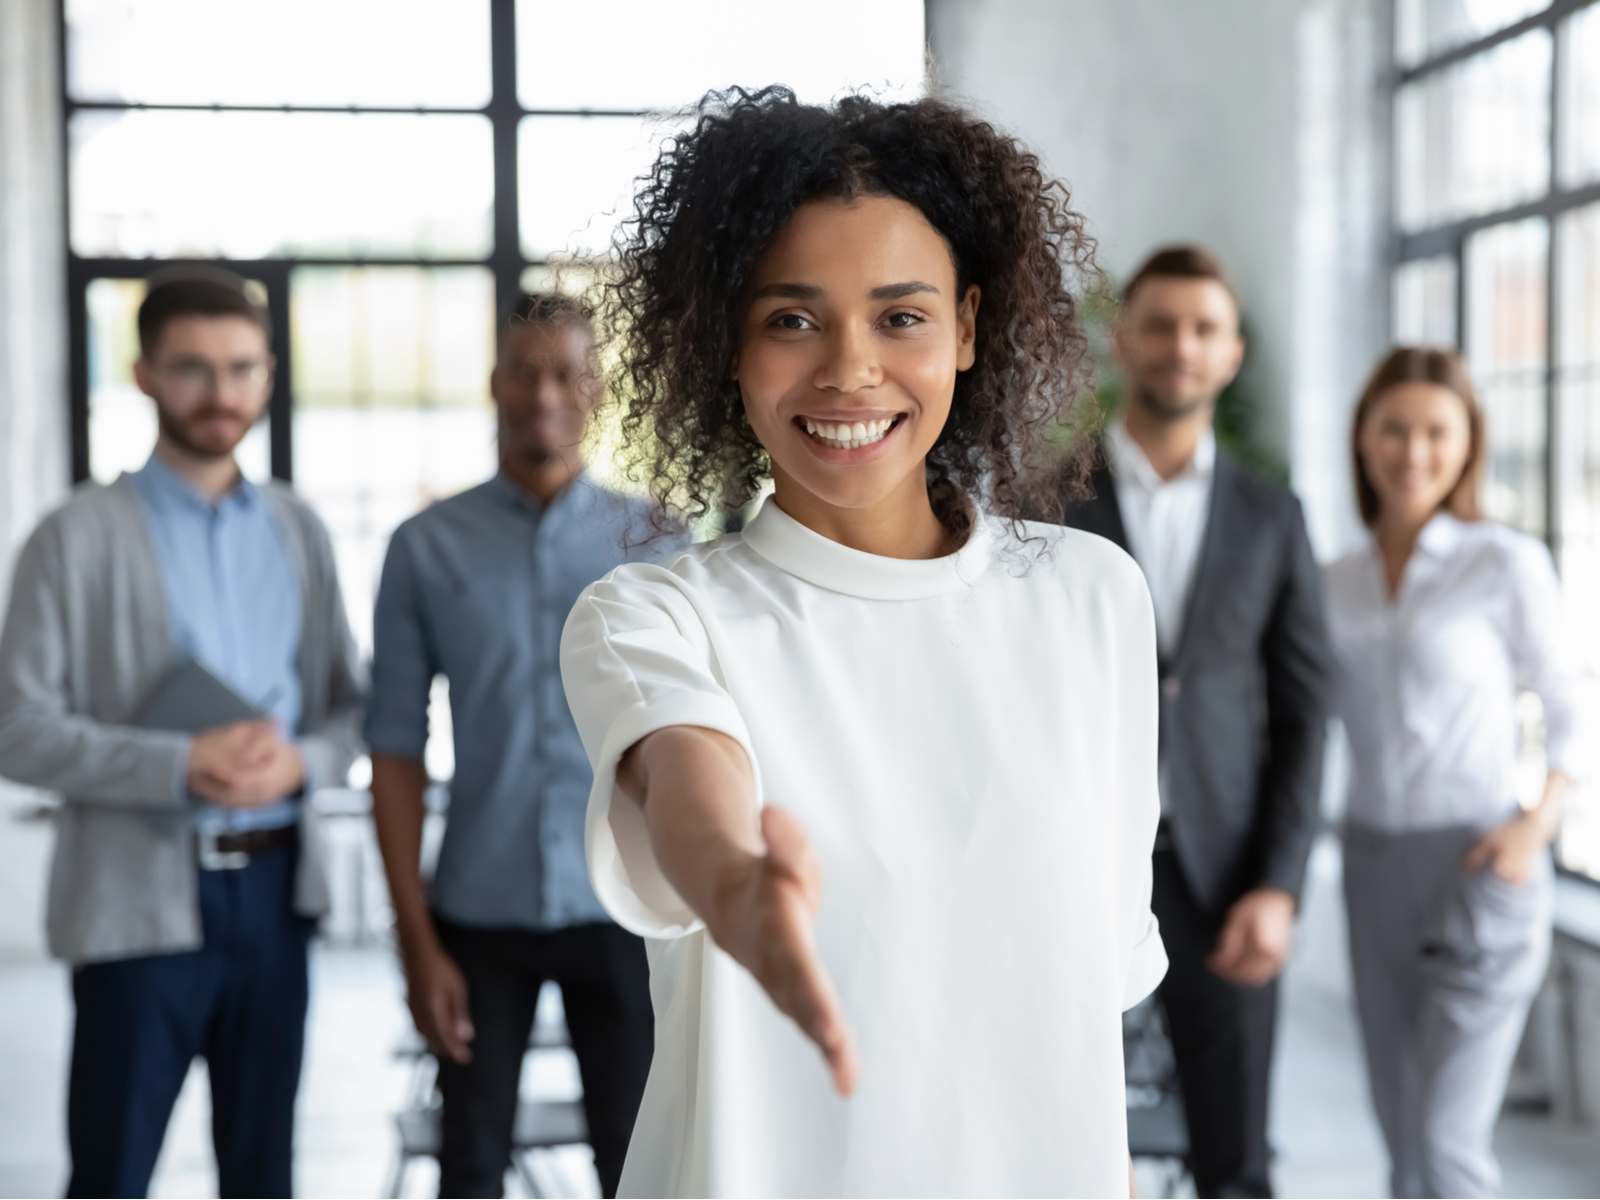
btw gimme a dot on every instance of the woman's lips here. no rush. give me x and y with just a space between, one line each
849 438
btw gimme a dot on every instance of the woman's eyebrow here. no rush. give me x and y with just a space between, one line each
787 291
896 291
810 291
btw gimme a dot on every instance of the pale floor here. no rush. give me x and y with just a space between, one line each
1326 1142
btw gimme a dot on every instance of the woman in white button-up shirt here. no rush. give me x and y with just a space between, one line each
1438 623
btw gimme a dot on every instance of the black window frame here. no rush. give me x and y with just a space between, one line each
1448 240
505 260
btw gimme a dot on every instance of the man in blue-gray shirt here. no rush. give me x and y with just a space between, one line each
187 870
477 588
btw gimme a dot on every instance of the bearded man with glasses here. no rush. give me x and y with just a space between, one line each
187 874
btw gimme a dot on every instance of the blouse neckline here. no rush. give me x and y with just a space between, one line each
807 554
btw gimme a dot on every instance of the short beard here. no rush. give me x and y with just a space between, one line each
177 433
538 456
1155 407
533 457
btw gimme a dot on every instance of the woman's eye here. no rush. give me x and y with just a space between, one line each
902 320
790 322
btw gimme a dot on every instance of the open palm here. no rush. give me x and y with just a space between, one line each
765 923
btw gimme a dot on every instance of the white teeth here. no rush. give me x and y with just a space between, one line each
847 435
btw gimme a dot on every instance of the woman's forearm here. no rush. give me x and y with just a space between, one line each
698 792
1546 815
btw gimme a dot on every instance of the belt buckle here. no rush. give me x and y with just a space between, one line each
213 859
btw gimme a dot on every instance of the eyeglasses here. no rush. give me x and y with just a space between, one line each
193 376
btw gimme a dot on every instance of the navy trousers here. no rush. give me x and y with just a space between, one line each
239 1002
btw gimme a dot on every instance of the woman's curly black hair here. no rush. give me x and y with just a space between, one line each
712 204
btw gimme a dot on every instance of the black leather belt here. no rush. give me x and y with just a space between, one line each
232 850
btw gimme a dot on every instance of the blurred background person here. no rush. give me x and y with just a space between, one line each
389 198
186 874
1437 624
1243 664
476 588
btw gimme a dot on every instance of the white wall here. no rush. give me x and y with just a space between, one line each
1255 127
33 421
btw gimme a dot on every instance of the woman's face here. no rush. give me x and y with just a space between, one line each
852 340
1414 445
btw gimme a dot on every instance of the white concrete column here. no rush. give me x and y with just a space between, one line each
33 382
1258 130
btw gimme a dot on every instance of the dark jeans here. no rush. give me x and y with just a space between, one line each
1222 1039
605 989
239 1001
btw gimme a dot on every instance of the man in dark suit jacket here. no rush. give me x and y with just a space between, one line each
1244 670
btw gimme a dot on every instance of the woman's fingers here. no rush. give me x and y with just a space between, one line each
801 989
1482 852
782 951
842 1063
814 1006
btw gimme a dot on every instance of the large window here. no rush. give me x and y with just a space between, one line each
1497 203
389 173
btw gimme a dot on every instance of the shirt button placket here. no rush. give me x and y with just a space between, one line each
535 595
1397 756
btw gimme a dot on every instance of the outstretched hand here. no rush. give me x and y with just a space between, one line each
763 919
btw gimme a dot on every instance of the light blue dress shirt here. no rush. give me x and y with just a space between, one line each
234 603
477 588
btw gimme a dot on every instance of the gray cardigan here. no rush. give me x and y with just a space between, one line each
86 636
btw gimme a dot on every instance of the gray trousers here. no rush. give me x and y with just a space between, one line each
1446 964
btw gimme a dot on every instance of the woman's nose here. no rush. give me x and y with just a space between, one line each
851 363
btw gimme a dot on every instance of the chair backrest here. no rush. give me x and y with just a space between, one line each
1148 1062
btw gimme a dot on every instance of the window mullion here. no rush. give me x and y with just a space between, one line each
1552 319
505 115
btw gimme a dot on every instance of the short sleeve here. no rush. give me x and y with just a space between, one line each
1143 956
635 658
403 663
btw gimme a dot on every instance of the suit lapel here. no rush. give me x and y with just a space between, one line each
1213 544
1100 512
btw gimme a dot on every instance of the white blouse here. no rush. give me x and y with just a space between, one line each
970 744
1427 683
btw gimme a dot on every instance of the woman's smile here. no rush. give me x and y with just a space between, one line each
849 437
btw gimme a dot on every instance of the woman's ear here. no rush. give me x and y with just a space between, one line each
967 328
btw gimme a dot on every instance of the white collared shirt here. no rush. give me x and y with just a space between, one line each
1165 520
1427 683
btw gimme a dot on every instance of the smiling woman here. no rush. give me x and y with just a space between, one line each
707 301
1438 624
884 759
849 359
